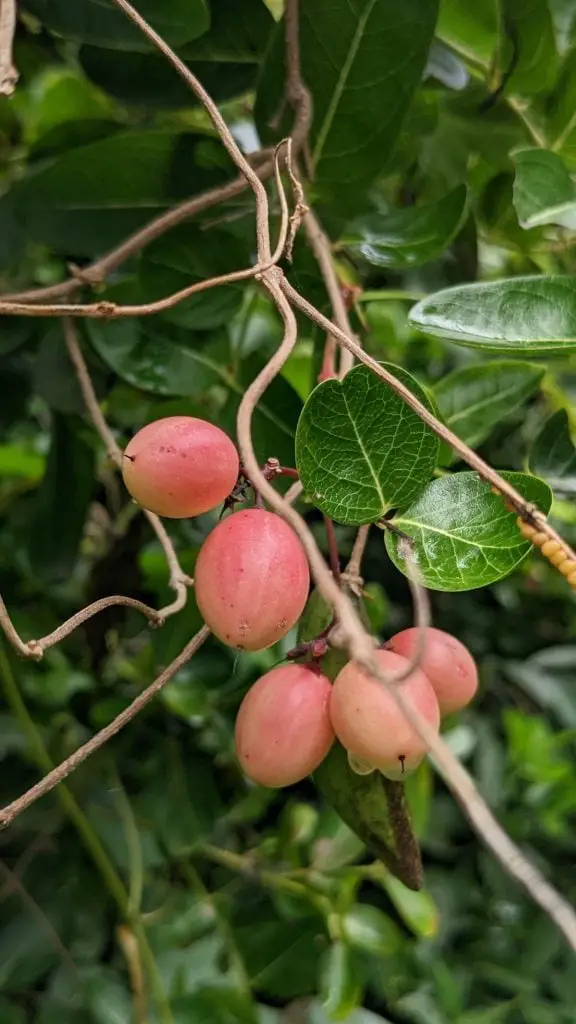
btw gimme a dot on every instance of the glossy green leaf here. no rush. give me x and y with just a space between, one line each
530 316
529 47
225 60
463 535
407 238
470 30
418 910
100 22
371 931
360 450
362 60
553 455
544 192
147 80
339 983
155 357
375 809
89 198
187 255
474 399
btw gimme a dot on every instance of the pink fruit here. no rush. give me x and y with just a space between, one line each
448 664
180 466
251 579
369 723
283 729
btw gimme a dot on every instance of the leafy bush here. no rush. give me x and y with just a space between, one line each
158 883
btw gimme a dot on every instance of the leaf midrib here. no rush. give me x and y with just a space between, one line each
341 84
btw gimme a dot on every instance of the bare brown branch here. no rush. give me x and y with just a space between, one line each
35 648
352 575
62 771
8 73
320 246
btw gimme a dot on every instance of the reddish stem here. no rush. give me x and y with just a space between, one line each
333 555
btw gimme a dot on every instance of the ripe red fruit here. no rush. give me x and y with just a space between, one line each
283 729
369 723
448 664
180 466
251 579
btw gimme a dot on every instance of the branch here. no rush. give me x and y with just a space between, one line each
8 73
35 648
179 581
360 645
104 310
228 140
62 771
320 245
352 575
527 512
100 269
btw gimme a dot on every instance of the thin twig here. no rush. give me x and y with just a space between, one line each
105 310
352 575
97 272
332 548
131 950
62 771
179 581
320 246
36 648
8 73
228 140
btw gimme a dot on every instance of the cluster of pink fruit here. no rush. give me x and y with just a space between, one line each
251 584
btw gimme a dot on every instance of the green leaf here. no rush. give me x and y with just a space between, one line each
100 22
544 192
281 956
371 931
553 455
530 47
86 200
360 450
225 60
463 535
339 983
147 80
548 678
185 256
362 61
470 30
155 357
407 238
375 809
19 461
474 399
417 909
62 501
530 316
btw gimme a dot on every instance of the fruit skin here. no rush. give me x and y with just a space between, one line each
283 729
448 664
370 725
180 466
251 579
